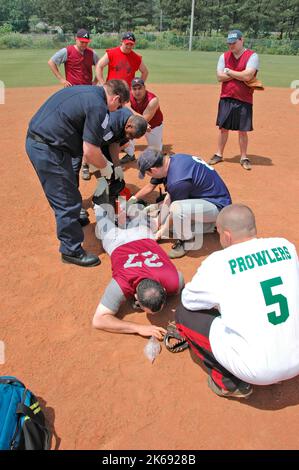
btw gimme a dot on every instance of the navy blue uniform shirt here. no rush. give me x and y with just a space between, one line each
72 115
189 177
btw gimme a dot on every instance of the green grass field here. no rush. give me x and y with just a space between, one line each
28 67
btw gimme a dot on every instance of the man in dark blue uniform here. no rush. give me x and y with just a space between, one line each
74 121
194 191
123 126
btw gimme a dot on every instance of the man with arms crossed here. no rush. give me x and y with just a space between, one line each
235 67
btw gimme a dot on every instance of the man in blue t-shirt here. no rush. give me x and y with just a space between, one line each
195 195
74 121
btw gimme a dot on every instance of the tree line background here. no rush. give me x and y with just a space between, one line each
255 17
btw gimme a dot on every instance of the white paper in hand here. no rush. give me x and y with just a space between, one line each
152 349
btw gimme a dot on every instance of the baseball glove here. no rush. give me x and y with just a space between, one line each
255 84
173 341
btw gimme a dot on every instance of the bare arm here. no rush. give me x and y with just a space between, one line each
95 80
143 70
243 76
93 154
57 74
223 77
114 150
164 217
102 63
105 319
151 109
147 189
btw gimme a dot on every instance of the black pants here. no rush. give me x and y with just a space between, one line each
58 179
195 327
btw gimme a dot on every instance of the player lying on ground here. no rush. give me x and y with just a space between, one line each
140 270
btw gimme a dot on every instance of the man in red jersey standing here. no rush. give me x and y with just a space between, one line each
235 68
146 103
122 62
78 60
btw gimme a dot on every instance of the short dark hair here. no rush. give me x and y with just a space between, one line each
140 125
151 294
120 88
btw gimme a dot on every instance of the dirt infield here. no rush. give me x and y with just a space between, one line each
98 389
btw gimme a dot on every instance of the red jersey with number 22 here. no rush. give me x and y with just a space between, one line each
143 259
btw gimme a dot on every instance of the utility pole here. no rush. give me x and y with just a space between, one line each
161 17
191 26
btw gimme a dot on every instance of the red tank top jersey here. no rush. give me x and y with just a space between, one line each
122 66
157 118
78 67
143 259
235 88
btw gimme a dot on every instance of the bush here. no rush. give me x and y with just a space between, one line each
5 29
100 41
166 40
15 41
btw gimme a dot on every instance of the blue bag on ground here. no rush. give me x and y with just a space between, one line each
22 422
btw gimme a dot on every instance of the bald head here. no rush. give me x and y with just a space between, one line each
237 220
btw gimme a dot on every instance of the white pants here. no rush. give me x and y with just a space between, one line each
112 236
154 140
190 218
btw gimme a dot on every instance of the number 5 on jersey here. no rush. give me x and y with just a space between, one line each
271 299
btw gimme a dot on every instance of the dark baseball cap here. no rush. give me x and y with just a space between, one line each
83 35
149 159
137 81
233 36
129 38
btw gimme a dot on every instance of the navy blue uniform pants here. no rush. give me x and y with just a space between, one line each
59 182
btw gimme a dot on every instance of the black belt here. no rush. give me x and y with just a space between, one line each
36 137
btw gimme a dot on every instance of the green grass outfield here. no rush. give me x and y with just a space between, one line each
28 67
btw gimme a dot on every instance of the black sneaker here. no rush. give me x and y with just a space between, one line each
243 391
127 159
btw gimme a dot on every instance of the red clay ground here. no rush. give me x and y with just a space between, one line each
98 389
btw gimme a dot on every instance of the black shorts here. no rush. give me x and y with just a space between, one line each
234 115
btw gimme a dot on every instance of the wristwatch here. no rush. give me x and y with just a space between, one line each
226 70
